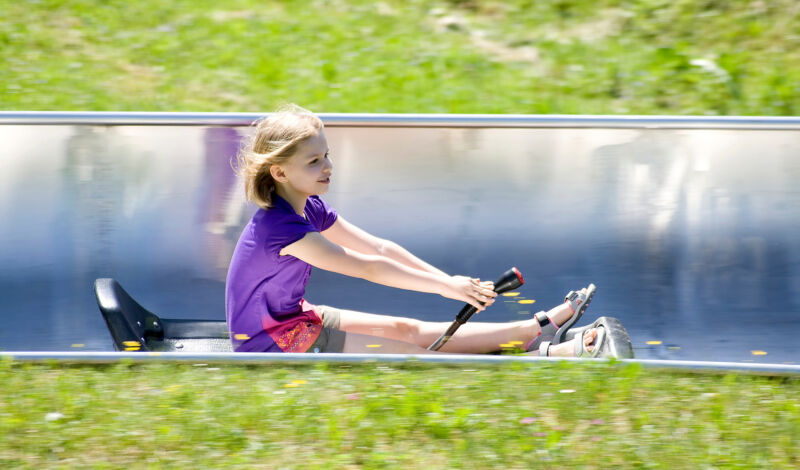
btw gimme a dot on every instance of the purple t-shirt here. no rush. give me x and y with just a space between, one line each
264 291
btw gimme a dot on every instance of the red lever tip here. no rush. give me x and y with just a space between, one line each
519 275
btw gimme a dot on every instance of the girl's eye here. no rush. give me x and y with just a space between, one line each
313 161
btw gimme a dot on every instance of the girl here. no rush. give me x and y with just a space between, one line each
285 167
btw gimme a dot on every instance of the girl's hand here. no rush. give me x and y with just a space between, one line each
470 290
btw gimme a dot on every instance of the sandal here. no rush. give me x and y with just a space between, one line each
580 348
599 342
578 301
617 342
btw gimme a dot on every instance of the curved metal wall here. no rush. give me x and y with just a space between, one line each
690 232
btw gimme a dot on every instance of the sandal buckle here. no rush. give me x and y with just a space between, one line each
572 295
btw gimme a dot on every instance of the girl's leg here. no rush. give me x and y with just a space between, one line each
365 344
359 343
473 337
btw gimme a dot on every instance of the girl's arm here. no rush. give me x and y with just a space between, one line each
345 234
317 251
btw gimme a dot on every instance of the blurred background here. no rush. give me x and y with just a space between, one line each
690 234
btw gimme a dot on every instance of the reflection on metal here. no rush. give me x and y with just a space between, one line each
295 358
692 234
406 120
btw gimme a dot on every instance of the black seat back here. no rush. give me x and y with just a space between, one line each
134 328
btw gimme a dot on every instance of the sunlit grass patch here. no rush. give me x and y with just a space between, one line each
575 57
398 415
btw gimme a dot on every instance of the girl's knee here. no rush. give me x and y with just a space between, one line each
407 329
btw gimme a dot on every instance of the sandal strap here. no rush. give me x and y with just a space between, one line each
543 319
580 350
571 295
544 348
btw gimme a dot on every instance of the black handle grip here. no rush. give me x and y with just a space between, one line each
510 280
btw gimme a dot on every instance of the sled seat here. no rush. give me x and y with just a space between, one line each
134 328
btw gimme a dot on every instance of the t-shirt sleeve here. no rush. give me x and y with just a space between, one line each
281 232
321 214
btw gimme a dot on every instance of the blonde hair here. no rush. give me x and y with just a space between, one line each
274 142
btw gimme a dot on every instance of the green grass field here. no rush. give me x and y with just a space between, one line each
459 56
390 415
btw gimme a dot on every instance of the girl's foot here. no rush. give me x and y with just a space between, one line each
553 325
567 349
561 313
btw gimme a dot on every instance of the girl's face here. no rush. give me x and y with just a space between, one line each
309 170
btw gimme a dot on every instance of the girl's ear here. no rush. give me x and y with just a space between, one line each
277 173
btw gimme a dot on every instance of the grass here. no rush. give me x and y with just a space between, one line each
459 56
393 416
